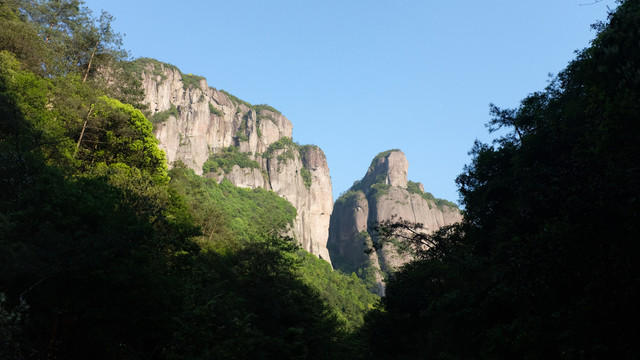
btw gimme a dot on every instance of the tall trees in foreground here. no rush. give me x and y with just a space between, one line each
545 263
102 253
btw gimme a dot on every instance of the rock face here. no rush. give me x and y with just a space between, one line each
383 194
195 123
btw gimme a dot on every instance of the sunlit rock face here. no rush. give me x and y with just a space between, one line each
195 121
383 194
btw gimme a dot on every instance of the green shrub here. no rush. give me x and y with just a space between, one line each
306 176
138 66
227 159
381 155
285 143
235 99
191 81
241 134
442 203
215 110
414 188
258 108
304 149
163 116
249 211
349 197
262 116
378 189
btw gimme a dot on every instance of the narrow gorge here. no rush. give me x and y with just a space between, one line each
221 136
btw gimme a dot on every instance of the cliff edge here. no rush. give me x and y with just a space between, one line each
383 194
221 136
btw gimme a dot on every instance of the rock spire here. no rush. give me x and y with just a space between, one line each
383 194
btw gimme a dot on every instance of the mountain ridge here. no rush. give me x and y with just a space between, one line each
250 145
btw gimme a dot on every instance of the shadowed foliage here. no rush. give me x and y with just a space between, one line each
544 264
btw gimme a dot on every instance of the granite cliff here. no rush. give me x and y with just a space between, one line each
383 194
218 135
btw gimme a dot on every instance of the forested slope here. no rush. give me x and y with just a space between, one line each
104 253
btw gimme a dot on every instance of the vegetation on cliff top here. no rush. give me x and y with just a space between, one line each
257 108
140 64
188 80
441 204
381 155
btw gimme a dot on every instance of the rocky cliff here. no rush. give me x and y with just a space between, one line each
218 135
383 194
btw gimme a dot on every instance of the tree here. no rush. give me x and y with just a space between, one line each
543 265
118 133
73 38
102 42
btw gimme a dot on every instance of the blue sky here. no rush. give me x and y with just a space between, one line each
360 77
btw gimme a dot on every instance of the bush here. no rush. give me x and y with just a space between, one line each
163 116
306 176
191 81
285 143
227 159
215 110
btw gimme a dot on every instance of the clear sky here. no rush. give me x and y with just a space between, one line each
359 77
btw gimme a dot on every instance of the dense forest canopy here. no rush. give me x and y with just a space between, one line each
544 264
106 253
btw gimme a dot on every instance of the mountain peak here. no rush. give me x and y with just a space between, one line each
389 167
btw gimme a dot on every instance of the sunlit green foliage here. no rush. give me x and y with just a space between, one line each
413 188
349 197
347 295
376 189
191 81
284 143
121 134
305 149
227 158
250 211
162 116
74 40
141 63
236 100
258 108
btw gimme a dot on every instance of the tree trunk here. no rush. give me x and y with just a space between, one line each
84 126
93 53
